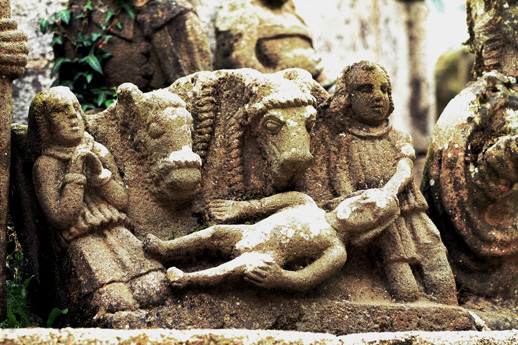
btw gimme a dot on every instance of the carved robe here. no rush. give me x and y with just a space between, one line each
99 251
363 160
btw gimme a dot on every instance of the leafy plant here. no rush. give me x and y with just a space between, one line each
18 308
86 80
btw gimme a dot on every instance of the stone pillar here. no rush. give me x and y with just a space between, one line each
13 50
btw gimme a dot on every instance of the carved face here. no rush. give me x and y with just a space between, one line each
369 96
283 134
176 172
65 118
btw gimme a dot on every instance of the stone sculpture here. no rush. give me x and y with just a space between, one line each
163 42
299 232
251 129
83 198
358 149
150 136
470 174
13 52
266 35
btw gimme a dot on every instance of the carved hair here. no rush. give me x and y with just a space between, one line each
339 104
204 114
41 106
236 130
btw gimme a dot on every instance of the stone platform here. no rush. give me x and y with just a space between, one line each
83 336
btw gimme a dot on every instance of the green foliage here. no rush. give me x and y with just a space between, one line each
18 308
86 79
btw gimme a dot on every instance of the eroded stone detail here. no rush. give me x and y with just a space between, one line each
358 149
266 35
83 198
165 41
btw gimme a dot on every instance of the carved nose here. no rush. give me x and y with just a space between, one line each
296 162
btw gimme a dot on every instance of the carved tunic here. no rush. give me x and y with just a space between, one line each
364 160
100 251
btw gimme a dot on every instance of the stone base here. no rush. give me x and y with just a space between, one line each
83 336
256 312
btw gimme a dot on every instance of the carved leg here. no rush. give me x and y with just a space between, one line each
214 276
438 278
401 282
221 237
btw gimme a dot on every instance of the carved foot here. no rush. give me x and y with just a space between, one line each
155 247
401 282
177 278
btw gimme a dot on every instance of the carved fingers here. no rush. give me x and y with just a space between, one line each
225 211
265 273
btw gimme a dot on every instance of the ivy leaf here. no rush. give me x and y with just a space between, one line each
54 314
109 16
57 65
44 25
58 40
64 16
93 62
129 9
95 36
88 6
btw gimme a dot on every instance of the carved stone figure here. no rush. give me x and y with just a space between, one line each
358 149
267 35
470 174
13 53
300 233
150 136
163 42
251 129
83 198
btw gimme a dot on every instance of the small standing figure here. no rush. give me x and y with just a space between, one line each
369 153
295 248
82 196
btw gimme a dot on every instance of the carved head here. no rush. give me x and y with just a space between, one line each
363 93
281 116
363 215
160 127
493 28
55 119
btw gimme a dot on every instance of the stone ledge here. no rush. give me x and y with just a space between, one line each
200 337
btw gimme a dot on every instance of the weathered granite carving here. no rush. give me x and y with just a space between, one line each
266 35
150 136
83 198
163 42
251 129
470 174
13 58
299 236
253 132
358 149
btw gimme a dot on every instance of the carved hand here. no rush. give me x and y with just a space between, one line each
266 273
225 211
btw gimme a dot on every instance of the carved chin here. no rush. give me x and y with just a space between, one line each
288 169
179 185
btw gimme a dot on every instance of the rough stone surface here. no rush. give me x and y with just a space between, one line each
164 42
257 146
37 75
86 336
377 30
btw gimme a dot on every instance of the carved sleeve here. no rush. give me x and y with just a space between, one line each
60 195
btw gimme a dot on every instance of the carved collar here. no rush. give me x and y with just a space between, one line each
365 131
65 153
